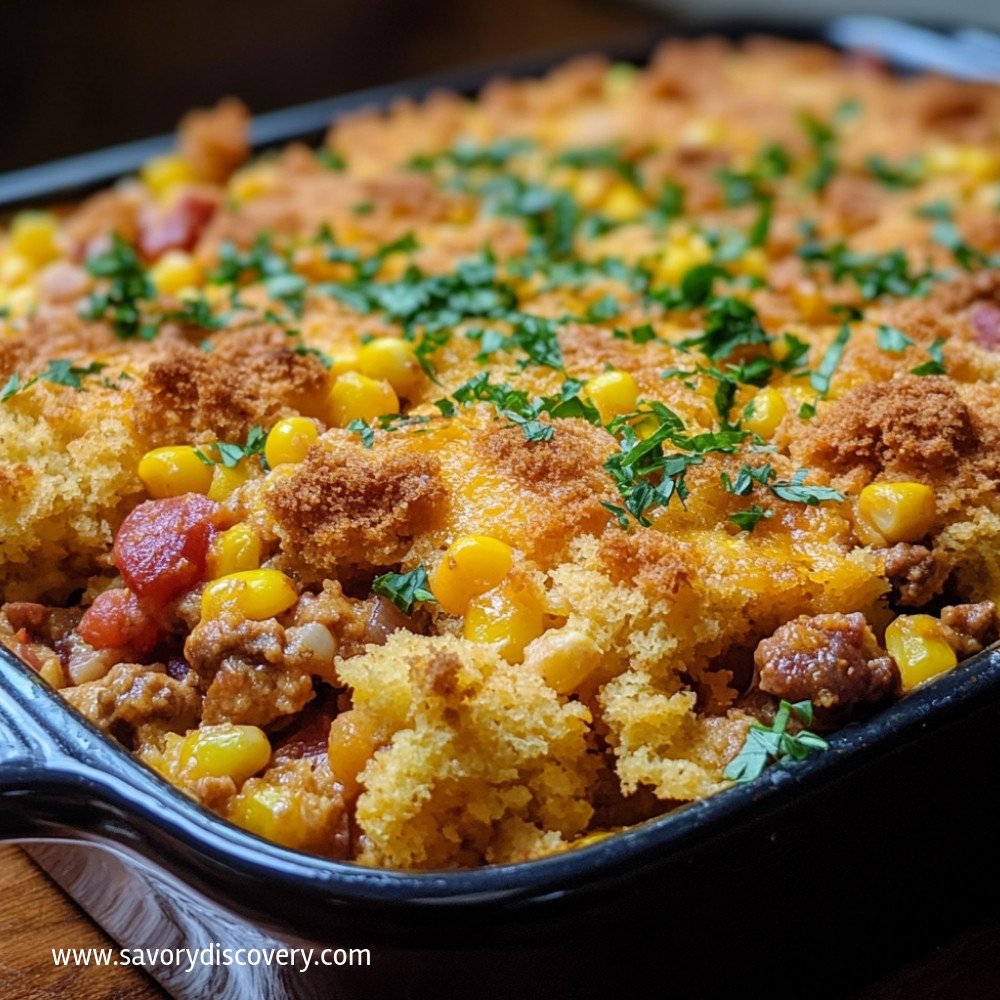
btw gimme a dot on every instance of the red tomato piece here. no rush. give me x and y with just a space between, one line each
161 547
178 228
116 619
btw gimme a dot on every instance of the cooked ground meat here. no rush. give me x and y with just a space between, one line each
832 660
970 627
916 573
131 696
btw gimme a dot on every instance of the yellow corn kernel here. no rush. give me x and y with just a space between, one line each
764 412
279 813
163 173
703 132
224 751
392 360
14 269
471 565
564 657
919 647
289 441
18 301
253 181
344 359
351 744
682 253
358 397
33 236
235 550
752 261
256 594
977 163
175 271
613 393
505 617
226 480
900 512
623 202
171 471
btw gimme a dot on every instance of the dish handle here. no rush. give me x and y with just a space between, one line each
54 766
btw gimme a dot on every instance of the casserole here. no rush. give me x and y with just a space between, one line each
507 884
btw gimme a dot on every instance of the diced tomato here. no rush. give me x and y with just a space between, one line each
161 547
984 318
116 619
179 227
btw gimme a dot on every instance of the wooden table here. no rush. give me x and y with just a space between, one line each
34 918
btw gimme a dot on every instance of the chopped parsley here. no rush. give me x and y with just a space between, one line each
404 589
60 371
747 520
936 364
796 490
891 340
904 175
730 323
773 743
126 288
230 454
820 379
606 157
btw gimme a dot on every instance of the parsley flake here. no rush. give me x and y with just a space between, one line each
404 589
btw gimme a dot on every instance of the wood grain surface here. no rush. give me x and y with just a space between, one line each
36 917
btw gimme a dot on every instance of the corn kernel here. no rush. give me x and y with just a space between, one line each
564 657
289 441
623 202
175 271
471 565
683 252
919 647
272 811
900 512
225 481
613 393
162 173
33 236
15 269
764 412
357 397
172 471
344 359
392 360
351 744
235 550
505 617
256 594
252 182
619 80
224 751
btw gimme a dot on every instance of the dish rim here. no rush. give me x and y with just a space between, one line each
78 762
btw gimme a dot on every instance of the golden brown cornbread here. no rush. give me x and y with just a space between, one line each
649 343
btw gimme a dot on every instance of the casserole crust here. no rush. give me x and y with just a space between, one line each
512 470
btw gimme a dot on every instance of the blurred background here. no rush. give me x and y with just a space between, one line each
77 75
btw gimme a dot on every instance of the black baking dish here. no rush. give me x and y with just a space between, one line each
806 881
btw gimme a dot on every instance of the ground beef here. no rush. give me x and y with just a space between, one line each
832 660
249 676
970 627
131 696
916 573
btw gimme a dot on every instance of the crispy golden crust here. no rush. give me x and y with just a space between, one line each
251 377
528 250
348 507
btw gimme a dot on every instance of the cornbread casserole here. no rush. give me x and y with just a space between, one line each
512 470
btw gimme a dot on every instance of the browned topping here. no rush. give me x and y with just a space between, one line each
916 573
251 377
649 558
215 141
907 426
347 506
831 660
